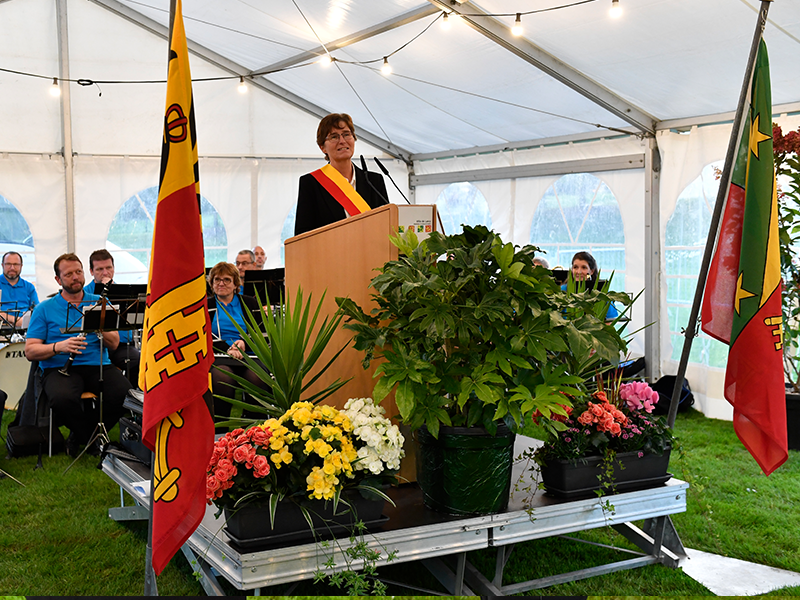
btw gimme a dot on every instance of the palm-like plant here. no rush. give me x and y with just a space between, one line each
286 347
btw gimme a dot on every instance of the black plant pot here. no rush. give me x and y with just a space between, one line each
466 471
793 420
574 479
249 526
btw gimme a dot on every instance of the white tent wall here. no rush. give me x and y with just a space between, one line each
35 186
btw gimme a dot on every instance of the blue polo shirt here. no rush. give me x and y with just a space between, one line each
17 298
54 314
125 337
222 325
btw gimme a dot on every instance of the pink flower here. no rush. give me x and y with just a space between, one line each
242 453
260 466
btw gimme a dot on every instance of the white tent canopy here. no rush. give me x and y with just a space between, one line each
643 102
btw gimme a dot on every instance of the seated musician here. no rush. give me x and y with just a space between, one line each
584 268
53 348
225 281
17 296
126 356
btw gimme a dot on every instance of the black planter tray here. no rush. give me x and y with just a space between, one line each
296 537
622 486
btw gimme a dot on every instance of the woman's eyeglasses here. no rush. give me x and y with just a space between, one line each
223 280
334 137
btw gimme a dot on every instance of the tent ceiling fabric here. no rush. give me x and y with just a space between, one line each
668 58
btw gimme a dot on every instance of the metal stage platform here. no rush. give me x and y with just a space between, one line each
419 534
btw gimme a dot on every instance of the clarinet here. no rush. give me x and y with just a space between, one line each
65 369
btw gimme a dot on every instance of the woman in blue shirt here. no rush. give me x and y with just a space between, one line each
228 344
584 268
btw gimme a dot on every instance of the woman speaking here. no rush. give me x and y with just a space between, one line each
339 189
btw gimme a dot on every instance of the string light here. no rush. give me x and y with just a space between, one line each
55 91
516 30
616 9
386 68
242 86
325 60
445 21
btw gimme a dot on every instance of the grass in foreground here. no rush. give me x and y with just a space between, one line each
58 539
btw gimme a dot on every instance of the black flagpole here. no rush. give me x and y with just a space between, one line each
691 327
150 583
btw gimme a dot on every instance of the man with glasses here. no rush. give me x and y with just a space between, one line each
245 261
17 296
339 189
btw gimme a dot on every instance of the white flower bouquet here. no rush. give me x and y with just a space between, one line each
383 442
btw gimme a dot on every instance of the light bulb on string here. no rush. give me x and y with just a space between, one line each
55 90
386 68
325 60
616 9
445 21
516 30
242 87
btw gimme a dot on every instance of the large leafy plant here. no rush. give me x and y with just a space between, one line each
472 333
786 149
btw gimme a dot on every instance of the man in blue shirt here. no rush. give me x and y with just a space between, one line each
52 347
126 356
17 296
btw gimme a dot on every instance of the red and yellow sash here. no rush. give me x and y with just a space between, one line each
341 190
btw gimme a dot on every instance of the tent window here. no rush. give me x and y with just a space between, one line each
462 204
579 212
287 231
15 235
132 232
684 243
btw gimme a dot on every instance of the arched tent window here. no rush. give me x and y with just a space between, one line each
684 243
579 212
131 235
15 236
287 231
462 204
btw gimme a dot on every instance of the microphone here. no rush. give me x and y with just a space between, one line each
386 172
374 189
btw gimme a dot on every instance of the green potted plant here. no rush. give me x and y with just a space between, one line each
474 337
786 149
286 351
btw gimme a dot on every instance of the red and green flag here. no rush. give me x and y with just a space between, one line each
176 340
742 301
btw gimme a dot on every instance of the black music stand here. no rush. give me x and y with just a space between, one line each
268 285
97 318
7 328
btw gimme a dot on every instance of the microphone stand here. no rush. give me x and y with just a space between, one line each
366 176
100 432
386 172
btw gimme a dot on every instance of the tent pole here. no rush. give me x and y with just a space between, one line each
713 230
66 122
652 258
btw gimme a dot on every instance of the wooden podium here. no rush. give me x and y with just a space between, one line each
340 260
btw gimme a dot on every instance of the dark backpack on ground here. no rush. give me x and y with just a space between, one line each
664 387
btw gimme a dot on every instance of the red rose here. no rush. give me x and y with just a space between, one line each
260 466
242 453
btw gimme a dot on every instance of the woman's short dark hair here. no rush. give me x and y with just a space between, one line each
329 122
588 259
225 268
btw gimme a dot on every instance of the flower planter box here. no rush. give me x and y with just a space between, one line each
574 479
249 526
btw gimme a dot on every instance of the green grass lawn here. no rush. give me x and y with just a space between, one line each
58 539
